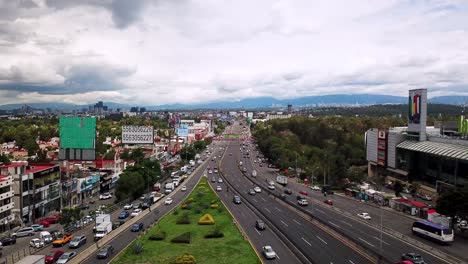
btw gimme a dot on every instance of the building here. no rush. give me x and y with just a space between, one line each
277 116
436 156
6 196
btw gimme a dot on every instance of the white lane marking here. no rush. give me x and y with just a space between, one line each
284 223
367 242
277 256
382 241
257 231
263 199
279 210
254 200
325 242
266 209
309 211
350 261
346 223
296 222
319 210
306 241
333 224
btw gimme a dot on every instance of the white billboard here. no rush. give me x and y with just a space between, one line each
137 135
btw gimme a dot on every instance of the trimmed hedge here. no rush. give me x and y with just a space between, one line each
185 259
214 206
160 235
185 238
215 234
183 220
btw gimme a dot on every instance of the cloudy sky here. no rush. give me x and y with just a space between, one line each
193 51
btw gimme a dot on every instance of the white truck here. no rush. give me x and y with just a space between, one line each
169 187
254 173
283 180
102 218
102 230
32 259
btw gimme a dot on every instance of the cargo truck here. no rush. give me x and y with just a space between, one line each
101 218
102 230
169 187
283 180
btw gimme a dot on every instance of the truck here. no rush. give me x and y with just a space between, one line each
32 259
254 173
102 230
281 179
169 187
101 218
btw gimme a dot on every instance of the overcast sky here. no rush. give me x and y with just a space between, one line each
194 51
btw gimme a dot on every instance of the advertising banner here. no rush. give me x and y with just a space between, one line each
137 134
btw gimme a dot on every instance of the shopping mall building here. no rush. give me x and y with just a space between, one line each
434 156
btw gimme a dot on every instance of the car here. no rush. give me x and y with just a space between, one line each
4 241
36 243
413 257
282 196
168 201
230 154
260 225
287 191
135 212
244 169
236 199
268 252
84 206
137 206
117 224
213 179
271 187
426 197
53 256
300 197
315 188
215 170
128 206
105 252
302 202
77 242
365 216
252 192
66 257
60 241
184 188
44 223
218 188
328 201
105 196
52 219
210 171
22 232
137 227
303 193
257 189
220 180
124 215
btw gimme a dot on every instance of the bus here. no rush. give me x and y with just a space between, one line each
433 231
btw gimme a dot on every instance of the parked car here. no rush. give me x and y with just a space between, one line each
135 212
287 191
268 252
124 215
66 257
315 188
168 201
303 193
37 227
36 243
184 188
53 256
137 227
328 201
77 242
22 232
105 251
236 199
7 241
128 206
260 225
413 257
105 196
44 223
365 216
282 196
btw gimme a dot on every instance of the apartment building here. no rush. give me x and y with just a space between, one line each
6 197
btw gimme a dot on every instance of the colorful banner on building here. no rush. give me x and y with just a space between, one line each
414 104
463 125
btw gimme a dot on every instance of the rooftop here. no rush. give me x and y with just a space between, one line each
40 168
453 151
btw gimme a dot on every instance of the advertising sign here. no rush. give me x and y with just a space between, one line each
137 134
77 132
463 125
414 108
182 131
382 147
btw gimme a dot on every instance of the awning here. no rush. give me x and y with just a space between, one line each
453 151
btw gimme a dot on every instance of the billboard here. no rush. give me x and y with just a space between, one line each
77 132
463 125
182 131
382 147
137 134
417 114
414 108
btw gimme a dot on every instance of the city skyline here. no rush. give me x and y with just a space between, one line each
189 52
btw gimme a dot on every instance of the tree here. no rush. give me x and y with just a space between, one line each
187 152
4 159
31 146
110 155
398 188
137 155
199 145
130 185
453 203
70 215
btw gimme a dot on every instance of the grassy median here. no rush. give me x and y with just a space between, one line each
179 233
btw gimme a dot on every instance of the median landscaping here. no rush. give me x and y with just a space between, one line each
199 230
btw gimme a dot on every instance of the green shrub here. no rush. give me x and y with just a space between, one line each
176 212
216 233
204 205
186 206
220 209
213 202
185 238
160 235
185 259
200 194
137 248
184 219
197 210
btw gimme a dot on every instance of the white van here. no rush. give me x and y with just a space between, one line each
46 237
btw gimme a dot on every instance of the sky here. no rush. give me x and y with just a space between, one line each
155 52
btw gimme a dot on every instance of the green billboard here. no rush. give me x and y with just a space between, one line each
77 132
463 125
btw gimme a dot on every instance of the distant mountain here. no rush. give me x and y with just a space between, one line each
263 102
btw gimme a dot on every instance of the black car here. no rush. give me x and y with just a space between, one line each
300 197
236 199
137 227
105 252
260 225
8 241
287 191
117 224
282 196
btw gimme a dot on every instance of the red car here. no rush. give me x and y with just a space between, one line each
53 256
304 193
52 219
45 223
329 202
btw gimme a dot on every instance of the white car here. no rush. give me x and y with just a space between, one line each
268 252
271 187
184 188
303 202
168 201
105 196
257 189
364 216
218 188
135 212
315 188
36 243
220 180
128 206
210 171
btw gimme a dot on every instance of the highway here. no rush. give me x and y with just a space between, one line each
354 228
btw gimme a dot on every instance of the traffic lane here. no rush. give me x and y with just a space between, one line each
305 235
246 218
